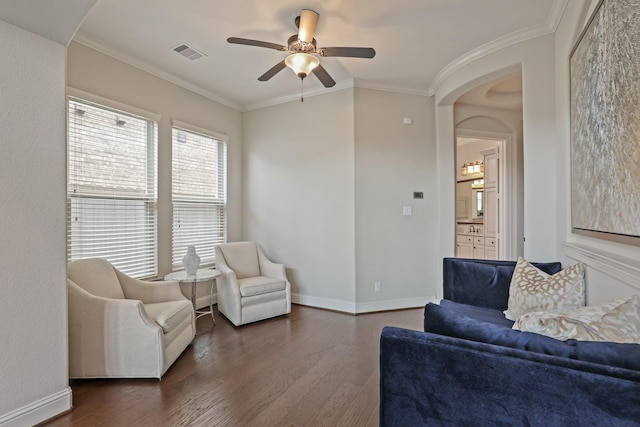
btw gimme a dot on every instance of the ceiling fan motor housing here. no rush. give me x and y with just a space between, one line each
295 45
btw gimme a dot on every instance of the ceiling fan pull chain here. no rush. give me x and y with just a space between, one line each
301 90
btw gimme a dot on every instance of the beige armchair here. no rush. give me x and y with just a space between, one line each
251 287
123 327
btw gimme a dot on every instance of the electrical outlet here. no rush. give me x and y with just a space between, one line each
376 286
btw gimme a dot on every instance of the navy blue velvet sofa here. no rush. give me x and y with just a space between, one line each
469 368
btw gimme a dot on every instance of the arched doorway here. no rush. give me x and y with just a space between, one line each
488 131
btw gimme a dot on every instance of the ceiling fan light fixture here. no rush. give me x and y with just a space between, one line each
302 63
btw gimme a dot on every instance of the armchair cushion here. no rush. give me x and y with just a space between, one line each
260 285
96 277
242 258
169 314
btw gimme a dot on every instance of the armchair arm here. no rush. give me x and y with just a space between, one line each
269 268
229 294
150 292
111 336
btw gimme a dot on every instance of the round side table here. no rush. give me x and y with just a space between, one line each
202 275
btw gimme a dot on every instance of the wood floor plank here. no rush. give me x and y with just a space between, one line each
363 406
335 406
274 414
310 368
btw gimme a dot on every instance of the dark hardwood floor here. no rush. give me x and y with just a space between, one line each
309 368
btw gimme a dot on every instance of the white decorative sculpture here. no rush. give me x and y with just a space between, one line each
191 261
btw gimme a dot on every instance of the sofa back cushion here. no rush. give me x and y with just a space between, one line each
95 276
441 321
483 283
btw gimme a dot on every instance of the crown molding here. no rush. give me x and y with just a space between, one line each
368 84
341 85
344 84
501 43
99 46
557 10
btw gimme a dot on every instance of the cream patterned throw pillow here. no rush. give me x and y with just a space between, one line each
532 289
614 321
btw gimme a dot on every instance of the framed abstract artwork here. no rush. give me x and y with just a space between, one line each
605 124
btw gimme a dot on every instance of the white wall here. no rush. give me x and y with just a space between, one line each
104 76
325 183
298 194
536 59
33 314
613 270
392 160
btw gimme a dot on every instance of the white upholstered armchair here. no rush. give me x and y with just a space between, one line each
122 327
251 287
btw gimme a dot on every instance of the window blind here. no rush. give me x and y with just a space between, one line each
111 187
199 194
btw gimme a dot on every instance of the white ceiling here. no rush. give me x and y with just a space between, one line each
57 21
417 41
504 93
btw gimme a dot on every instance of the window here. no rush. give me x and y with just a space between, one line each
111 187
199 192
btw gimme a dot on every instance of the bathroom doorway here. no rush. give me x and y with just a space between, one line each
479 198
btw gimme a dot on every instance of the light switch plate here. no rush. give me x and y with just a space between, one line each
407 210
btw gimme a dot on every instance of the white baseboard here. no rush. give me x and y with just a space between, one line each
326 303
203 302
357 308
398 304
38 411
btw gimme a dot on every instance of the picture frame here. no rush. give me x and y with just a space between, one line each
605 124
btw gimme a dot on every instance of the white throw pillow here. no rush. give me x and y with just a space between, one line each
615 321
532 289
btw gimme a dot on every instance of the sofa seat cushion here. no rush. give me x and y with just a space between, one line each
252 286
169 314
479 313
442 321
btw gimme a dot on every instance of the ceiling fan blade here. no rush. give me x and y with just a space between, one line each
307 26
323 76
258 43
350 52
272 71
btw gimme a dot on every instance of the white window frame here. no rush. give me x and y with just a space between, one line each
188 228
109 221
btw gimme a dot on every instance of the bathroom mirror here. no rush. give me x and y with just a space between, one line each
469 202
477 208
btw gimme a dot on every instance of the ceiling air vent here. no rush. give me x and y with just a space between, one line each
188 52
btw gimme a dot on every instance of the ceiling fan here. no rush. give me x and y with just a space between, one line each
303 57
